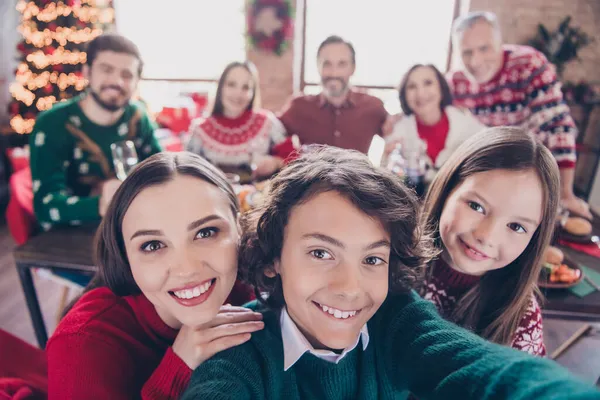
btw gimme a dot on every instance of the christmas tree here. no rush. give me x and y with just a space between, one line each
55 34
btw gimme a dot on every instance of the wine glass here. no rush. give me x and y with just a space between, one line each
258 150
124 158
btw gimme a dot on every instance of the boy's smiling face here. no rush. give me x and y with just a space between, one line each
334 269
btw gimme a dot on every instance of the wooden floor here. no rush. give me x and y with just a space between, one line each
583 358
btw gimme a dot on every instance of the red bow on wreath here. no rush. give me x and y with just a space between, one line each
270 25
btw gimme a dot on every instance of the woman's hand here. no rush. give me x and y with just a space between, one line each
231 327
267 166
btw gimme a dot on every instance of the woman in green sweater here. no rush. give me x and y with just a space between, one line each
333 254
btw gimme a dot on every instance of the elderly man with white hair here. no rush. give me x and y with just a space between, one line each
514 85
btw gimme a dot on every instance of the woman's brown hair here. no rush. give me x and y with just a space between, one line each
444 88
217 109
375 191
110 256
494 307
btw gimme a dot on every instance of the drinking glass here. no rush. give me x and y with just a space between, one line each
125 158
258 150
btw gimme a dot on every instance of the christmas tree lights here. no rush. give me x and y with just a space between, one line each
52 50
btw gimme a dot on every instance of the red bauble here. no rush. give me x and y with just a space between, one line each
14 108
58 68
52 26
48 89
21 47
29 115
81 24
74 3
49 50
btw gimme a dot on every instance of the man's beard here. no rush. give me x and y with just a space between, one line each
112 107
336 93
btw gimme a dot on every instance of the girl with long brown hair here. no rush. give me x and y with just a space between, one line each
167 257
492 208
238 132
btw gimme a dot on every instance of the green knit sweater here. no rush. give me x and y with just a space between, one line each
411 348
70 155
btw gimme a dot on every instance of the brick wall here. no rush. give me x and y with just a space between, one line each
276 77
276 73
519 20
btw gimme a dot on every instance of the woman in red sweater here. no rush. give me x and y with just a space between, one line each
167 257
429 116
238 133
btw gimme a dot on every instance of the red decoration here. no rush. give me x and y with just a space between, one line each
48 89
176 119
29 115
52 26
14 108
201 101
21 47
58 68
49 50
270 24
74 3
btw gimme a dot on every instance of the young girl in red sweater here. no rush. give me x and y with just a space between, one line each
238 133
167 257
492 209
429 117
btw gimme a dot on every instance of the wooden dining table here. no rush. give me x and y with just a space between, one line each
68 249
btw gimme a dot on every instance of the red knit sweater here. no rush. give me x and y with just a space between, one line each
111 347
447 286
434 135
526 92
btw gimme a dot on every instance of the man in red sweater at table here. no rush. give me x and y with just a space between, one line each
515 85
338 116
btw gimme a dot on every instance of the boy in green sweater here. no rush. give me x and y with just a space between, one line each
333 254
71 162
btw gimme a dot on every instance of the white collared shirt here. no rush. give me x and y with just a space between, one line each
295 344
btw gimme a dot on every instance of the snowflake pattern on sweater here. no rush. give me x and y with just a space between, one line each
526 93
447 286
232 142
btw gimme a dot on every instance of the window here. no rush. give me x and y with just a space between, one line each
388 36
184 39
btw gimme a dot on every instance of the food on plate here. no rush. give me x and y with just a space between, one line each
561 273
555 270
577 226
553 255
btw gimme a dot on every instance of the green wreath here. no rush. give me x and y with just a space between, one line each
270 25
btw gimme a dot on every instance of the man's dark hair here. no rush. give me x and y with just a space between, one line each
337 39
375 191
112 42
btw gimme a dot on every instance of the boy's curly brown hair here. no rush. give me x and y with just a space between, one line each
375 191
